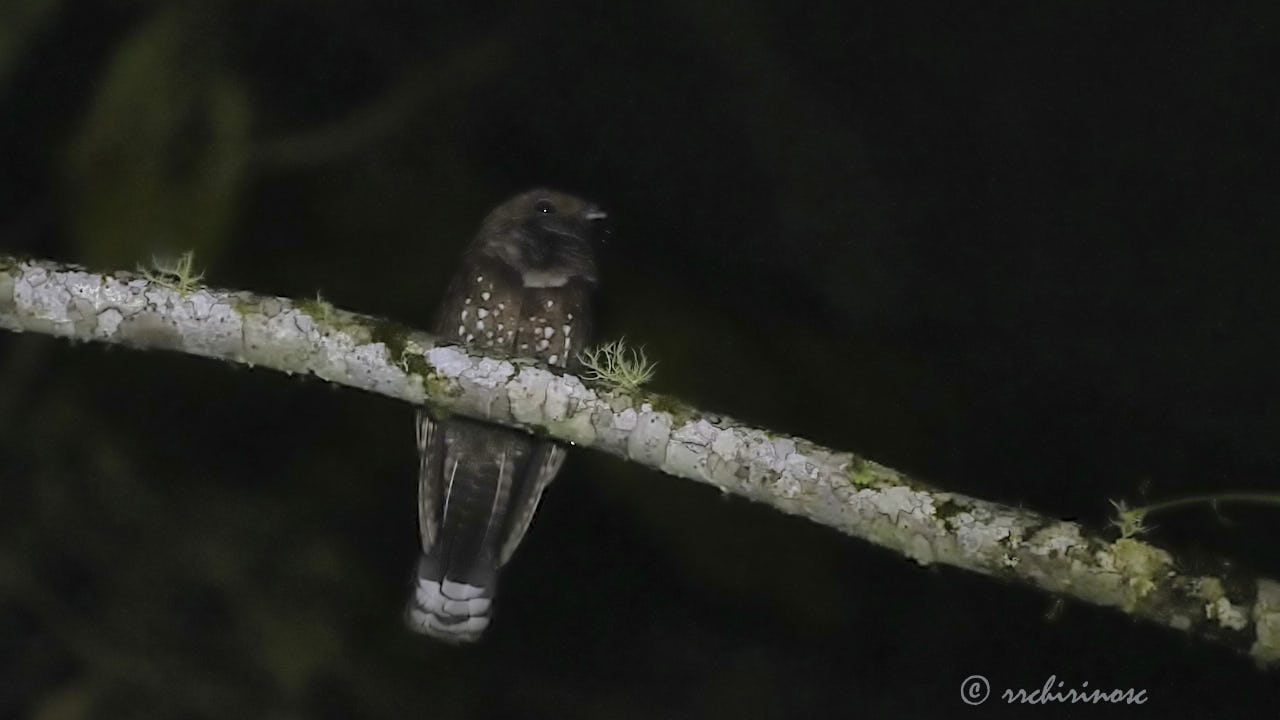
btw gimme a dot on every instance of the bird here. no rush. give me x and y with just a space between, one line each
524 288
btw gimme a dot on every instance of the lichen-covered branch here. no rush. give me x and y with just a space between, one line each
838 489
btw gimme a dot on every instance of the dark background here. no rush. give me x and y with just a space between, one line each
1026 253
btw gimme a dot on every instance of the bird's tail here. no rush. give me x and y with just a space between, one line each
446 608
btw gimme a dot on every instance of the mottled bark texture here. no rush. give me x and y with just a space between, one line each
838 489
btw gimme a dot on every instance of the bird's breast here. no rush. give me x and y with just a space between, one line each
493 310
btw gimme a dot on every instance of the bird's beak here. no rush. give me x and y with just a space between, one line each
594 215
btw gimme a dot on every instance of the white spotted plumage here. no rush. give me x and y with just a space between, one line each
470 470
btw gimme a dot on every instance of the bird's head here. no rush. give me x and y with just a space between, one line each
548 237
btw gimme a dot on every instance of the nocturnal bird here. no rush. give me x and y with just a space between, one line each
524 289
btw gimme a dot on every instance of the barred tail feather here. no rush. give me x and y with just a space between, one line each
479 486
445 609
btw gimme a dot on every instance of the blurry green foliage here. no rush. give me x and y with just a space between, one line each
20 23
160 159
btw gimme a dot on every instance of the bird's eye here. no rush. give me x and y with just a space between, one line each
545 207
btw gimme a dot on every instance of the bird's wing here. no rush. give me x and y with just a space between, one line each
430 462
544 463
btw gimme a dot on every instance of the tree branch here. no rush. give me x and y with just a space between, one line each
838 489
